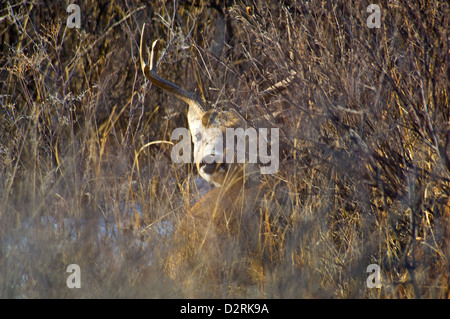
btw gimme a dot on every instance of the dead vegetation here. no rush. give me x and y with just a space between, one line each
364 124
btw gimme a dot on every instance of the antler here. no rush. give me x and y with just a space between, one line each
150 73
280 86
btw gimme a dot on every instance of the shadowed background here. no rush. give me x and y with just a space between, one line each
364 128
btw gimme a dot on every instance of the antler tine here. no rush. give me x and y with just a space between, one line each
143 65
150 73
280 86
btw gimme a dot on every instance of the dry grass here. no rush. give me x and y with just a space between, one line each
364 173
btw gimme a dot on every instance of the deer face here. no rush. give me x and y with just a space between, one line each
208 136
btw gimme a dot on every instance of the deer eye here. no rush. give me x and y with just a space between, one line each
198 136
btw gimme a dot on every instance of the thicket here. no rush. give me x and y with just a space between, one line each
365 138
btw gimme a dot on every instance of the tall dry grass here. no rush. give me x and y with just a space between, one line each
365 129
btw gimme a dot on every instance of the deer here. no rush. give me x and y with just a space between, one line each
225 224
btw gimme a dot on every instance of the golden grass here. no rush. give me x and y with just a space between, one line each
86 175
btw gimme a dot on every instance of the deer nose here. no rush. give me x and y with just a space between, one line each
208 168
211 168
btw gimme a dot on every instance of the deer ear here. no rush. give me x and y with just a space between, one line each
210 118
232 118
229 118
